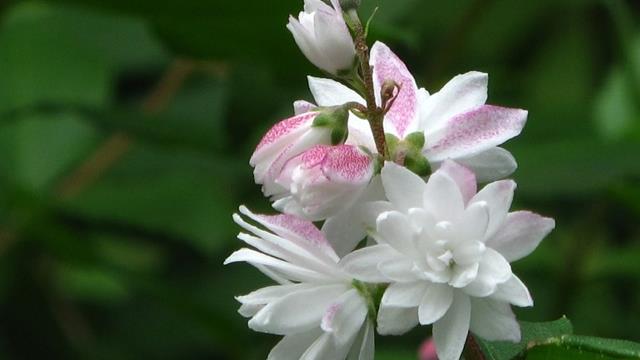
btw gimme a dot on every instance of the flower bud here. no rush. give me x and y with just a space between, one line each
323 36
323 180
285 140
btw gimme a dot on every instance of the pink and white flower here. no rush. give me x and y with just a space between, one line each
445 248
284 141
323 36
455 121
314 305
323 180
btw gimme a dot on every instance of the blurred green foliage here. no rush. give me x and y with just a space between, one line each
126 128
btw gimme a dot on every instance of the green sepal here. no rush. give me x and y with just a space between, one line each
417 163
416 139
335 119
392 143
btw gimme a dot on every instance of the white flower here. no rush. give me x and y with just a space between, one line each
446 251
316 308
323 37
285 140
455 121
323 180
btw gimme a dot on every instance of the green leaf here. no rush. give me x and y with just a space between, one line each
54 54
38 148
584 347
531 332
182 193
90 283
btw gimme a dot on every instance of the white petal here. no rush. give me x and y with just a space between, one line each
464 177
344 231
401 270
296 312
493 320
474 222
322 348
461 94
450 332
367 349
271 293
345 317
395 229
498 196
520 234
404 294
291 272
493 270
362 264
329 92
514 291
402 187
396 321
442 197
291 347
435 303
490 165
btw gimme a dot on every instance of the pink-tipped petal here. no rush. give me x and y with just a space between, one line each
403 115
464 177
280 134
520 234
474 132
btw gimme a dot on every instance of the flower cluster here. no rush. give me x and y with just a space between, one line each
392 172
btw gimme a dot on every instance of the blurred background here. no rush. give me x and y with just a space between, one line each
126 129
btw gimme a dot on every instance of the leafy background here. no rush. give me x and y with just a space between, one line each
126 128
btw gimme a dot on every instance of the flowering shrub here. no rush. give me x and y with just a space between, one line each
392 172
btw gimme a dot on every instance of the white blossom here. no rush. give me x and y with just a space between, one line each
445 250
314 304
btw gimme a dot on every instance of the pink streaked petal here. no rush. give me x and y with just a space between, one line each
291 151
346 163
464 177
475 131
280 131
387 66
288 225
302 106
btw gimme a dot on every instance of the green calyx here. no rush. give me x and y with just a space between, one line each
408 152
372 294
335 119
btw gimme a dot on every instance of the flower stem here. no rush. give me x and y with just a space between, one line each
472 349
375 114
